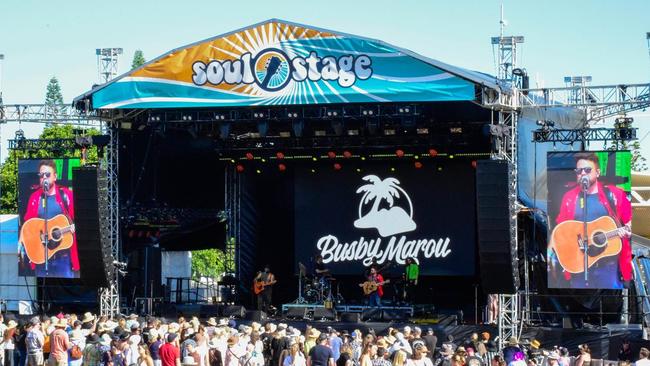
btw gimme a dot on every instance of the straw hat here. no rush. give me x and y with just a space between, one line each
232 340
535 344
88 317
12 324
256 326
553 355
313 333
223 322
513 341
61 323
212 322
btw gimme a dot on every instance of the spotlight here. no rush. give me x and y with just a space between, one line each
258 171
358 170
263 160
232 161
313 170
433 153
331 154
418 165
154 118
186 117
282 167
389 132
337 166
259 114
279 155
392 169
314 158
249 156
240 168
218 117
399 153
347 154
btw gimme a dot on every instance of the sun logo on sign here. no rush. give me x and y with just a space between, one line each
391 221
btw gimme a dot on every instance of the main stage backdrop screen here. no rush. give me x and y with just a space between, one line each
589 197
44 192
387 213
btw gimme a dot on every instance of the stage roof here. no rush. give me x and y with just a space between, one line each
276 62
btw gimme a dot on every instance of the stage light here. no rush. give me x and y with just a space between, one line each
285 134
337 166
232 161
451 156
320 133
389 132
399 153
358 170
249 156
331 154
258 171
154 118
314 158
263 160
363 158
416 157
279 155
218 117
392 169
353 132
259 115
433 153
439 168
418 165
313 170
292 114
422 131
186 117
240 168
474 164
347 154
455 130
282 167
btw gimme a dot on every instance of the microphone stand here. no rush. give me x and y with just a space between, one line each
585 238
46 240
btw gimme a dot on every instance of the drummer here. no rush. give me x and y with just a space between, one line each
319 268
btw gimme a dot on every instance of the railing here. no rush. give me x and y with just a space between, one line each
182 290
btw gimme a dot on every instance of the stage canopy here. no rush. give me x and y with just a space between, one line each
282 63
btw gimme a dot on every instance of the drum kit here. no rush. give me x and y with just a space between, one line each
317 289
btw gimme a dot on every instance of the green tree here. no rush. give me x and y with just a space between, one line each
53 94
208 263
639 162
9 168
138 59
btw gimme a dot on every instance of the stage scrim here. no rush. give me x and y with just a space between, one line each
589 193
384 214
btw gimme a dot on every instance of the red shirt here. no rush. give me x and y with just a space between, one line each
168 354
59 345
378 278
622 211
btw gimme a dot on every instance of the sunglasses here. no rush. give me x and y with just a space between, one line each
580 170
44 175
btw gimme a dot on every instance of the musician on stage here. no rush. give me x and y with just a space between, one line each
267 280
602 200
319 268
411 275
374 298
47 201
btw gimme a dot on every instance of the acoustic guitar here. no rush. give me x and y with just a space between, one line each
258 286
60 237
372 286
603 241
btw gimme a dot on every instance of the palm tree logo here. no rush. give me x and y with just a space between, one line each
389 222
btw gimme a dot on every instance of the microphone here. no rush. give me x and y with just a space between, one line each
46 185
584 182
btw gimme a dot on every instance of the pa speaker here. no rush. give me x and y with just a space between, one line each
234 311
324 314
297 312
91 226
373 314
497 237
256 316
350 317
395 315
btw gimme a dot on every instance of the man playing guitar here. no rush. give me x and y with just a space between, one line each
263 285
601 200
374 297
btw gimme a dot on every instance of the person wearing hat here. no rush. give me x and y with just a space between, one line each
92 354
8 343
310 341
419 357
154 346
170 353
320 354
59 344
510 350
335 343
553 358
34 341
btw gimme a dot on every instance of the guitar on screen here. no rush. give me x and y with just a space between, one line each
60 236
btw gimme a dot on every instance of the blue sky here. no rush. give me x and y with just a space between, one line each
604 39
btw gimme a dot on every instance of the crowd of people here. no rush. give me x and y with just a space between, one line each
68 340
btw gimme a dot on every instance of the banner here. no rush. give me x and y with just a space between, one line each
46 205
385 215
279 63
589 207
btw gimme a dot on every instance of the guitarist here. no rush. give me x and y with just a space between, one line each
374 298
65 263
267 280
602 200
